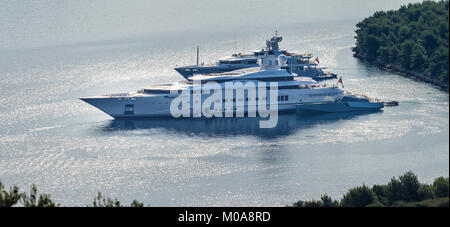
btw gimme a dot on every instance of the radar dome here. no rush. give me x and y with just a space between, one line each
282 60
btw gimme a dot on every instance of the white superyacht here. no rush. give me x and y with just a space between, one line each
158 100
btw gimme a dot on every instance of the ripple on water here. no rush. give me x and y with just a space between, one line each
72 150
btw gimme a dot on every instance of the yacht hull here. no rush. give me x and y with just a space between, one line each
120 108
129 108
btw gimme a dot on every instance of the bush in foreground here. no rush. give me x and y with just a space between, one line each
359 197
13 197
406 191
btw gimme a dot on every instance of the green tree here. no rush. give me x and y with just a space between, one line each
34 200
373 44
101 201
383 54
440 187
429 40
360 196
11 197
404 33
135 203
380 192
299 203
406 49
393 191
327 201
394 53
425 192
419 57
409 187
313 203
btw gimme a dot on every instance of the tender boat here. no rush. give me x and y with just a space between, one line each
348 103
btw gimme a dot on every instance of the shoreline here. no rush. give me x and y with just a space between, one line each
418 76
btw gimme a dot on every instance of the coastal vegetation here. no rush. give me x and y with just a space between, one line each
14 197
413 39
406 191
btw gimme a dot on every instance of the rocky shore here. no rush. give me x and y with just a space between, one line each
420 76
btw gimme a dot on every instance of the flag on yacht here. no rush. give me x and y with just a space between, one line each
317 60
340 81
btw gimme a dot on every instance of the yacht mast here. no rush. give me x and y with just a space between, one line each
197 53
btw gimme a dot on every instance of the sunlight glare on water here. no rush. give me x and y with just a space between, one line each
72 150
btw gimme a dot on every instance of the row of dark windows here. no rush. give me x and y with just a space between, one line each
322 94
156 91
297 68
160 91
270 79
281 98
238 62
246 99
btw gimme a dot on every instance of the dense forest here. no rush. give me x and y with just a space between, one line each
406 191
413 40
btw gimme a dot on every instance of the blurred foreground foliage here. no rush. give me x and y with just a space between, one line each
14 197
406 191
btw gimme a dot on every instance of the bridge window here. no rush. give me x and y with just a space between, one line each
129 109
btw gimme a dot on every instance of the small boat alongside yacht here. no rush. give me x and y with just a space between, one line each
348 103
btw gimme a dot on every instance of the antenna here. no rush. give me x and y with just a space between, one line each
197 53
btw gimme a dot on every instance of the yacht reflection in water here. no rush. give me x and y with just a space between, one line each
288 123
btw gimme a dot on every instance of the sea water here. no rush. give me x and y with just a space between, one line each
53 52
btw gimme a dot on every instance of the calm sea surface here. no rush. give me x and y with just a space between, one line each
53 52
